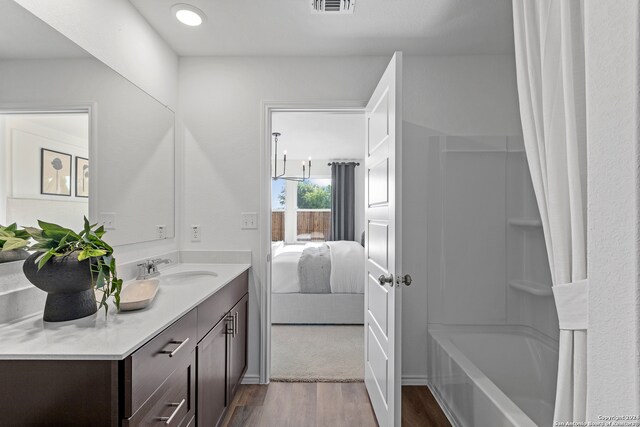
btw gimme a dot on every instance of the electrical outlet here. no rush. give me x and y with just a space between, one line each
162 231
249 220
195 233
108 220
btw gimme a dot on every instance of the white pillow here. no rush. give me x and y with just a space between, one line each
276 247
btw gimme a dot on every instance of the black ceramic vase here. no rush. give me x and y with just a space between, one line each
67 283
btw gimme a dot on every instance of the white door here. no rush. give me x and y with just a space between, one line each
383 266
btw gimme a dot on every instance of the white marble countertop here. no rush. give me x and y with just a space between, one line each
120 334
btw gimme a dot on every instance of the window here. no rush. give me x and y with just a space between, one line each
314 194
314 210
278 195
301 211
278 204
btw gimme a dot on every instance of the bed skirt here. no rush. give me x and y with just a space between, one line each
324 309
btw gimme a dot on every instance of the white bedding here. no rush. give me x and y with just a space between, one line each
346 277
347 267
284 269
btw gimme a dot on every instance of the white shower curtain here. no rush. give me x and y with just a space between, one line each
549 47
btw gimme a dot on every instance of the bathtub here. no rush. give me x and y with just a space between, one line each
493 376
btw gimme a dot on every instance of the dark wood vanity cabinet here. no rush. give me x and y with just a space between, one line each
184 376
212 376
222 361
238 344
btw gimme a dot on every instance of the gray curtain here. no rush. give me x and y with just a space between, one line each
343 201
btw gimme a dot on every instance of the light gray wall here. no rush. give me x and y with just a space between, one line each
612 31
220 105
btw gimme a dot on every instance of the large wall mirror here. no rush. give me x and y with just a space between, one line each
77 138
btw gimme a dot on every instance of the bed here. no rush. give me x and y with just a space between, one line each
318 283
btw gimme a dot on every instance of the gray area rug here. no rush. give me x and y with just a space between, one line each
318 353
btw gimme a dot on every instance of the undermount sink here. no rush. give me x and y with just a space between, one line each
185 277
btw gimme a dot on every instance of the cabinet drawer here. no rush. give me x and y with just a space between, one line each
173 404
147 368
214 308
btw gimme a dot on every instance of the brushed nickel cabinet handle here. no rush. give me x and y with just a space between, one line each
167 420
177 349
235 324
229 329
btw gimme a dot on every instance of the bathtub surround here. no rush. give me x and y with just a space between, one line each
550 63
484 240
482 387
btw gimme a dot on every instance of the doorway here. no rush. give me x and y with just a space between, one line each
316 323
46 163
382 255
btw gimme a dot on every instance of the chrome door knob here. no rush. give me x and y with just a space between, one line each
385 279
406 279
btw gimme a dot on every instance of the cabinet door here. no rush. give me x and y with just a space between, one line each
212 379
238 353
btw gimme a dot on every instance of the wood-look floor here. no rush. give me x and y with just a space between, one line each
325 404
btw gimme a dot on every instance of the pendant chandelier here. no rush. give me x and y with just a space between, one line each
306 167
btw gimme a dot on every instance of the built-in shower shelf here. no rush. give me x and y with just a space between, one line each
525 222
533 288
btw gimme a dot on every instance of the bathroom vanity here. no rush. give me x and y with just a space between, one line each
178 362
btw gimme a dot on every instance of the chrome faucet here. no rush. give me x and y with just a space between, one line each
149 268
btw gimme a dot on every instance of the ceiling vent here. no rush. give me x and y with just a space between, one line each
333 6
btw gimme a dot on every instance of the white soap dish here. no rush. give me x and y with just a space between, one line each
138 294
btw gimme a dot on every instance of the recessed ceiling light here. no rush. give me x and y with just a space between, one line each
188 15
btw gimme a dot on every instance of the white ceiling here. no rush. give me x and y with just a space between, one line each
23 36
321 135
377 27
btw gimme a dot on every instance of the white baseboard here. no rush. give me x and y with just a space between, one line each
450 417
251 379
414 380
406 379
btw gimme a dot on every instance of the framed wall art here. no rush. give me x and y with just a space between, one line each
82 177
55 173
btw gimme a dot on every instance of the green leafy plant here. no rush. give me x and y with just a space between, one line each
11 238
56 241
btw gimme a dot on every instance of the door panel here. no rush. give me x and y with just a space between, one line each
378 363
378 122
238 357
212 380
383 257
379 183
379 244
378 300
